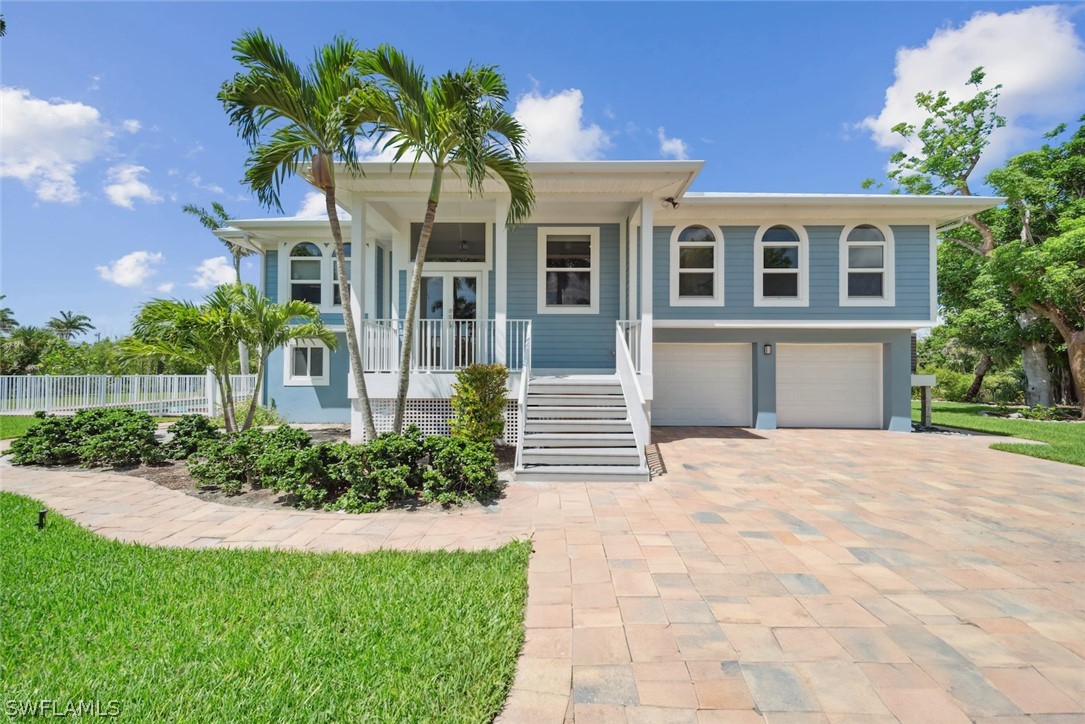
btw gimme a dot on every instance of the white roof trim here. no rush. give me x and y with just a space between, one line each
790 324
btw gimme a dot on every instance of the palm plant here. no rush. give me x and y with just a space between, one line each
7 318
457 122
312 117
214 220
24 349
69 324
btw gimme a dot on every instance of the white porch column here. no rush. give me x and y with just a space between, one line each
501 278
370 269
360 287
646 235
631 267
623 268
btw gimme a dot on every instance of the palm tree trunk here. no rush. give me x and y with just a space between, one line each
981 371
353 349
226 393
412 301
255 392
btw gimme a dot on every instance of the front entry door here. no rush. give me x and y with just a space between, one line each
448 330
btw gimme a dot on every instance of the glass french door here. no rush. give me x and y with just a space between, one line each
447 336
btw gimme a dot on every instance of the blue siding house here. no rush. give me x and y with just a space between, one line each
626 302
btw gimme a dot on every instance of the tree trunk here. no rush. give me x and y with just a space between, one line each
255 392
982 369
1075 348
412 300
353 349
1034 362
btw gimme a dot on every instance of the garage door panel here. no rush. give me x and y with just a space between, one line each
837 385
702 384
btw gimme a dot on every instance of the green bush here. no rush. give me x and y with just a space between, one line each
188 433
1039 412
459 470
228 463
263 417
1003 388
950 385
99 436
478 402
997 388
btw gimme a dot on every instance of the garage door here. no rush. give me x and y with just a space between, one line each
829 385
702 384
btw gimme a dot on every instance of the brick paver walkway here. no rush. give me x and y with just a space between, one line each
786 576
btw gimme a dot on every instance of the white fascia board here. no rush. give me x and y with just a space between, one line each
790 324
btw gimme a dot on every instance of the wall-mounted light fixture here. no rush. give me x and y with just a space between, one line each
768 350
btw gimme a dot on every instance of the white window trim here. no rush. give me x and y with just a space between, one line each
803 299
592 232
888 298
327 256
716 300
290 380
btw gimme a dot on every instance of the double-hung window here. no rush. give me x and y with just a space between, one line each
306 273
866 266
568 264
696 266
780 262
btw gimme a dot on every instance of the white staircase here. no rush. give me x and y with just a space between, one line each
577 429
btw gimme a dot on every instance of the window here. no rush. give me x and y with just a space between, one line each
780 267
568 266
696 266
305 273
337 295
305 363
866 266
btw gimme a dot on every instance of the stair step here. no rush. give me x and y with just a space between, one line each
581 400
581 474
579 439
535 412
581 456
588 425
574 388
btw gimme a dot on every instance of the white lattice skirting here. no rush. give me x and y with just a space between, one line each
432 417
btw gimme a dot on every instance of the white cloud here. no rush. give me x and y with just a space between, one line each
131 270
1034 53
672 147
131 125
164 288
312 206
125 185
371 150
45 142
197 181
555 127
212 272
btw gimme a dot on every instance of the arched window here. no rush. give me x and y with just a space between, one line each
305 272
696 266
866 266
781 266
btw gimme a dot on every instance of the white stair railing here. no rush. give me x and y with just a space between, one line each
635 403
521 398
630 329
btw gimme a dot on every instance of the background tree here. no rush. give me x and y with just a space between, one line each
7 318
69 324
457 122
22 350
1041 185
294 119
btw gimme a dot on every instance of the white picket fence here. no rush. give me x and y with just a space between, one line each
155 394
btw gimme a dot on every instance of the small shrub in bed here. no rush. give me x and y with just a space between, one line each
459 470
478 401
49 442
228 463
98 436
188 433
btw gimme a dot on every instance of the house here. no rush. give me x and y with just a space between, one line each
627 301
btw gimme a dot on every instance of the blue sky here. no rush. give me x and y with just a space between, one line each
110 122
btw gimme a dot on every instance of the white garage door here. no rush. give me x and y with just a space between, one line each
829 385
702 384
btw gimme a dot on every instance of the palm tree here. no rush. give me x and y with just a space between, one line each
214 220
315 116
69 324
24 349
457 122
266 326
7 318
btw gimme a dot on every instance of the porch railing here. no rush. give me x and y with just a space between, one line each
446 345
629 329
635 403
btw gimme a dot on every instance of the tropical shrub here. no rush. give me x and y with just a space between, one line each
1003 388
49 442
263 417
478 402
459 470
188 433
228 463
99 436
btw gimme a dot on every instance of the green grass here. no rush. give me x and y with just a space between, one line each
1065 441
15 425
217 635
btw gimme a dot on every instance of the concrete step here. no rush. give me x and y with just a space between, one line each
579 439
577 412
581 456
588 425
579 388
581 474
534 399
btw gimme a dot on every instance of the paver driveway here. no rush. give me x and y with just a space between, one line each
786 575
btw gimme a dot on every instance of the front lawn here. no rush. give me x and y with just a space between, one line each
15 425
1065 440
211 635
